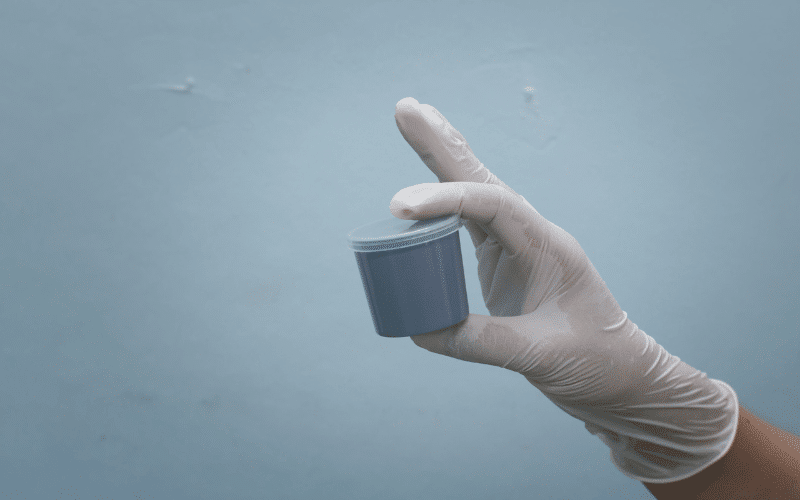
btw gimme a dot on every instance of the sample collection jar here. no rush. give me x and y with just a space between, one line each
412 273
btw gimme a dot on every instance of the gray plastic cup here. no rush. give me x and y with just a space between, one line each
412 273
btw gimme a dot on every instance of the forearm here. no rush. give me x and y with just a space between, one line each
762 463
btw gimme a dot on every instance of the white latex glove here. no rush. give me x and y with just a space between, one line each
554 320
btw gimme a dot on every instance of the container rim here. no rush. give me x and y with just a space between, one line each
401 233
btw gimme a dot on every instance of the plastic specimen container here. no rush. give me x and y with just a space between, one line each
412 274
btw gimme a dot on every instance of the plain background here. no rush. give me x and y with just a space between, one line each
180 317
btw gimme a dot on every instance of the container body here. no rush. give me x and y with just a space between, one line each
417 289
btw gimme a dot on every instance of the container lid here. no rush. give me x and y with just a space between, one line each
394 233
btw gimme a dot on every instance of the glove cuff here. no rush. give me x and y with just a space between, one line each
654 459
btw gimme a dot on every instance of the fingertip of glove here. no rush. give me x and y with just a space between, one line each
406 102
400 209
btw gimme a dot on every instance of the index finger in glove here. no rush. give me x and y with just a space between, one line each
440 146
443 149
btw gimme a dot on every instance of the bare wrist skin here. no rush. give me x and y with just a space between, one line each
762 463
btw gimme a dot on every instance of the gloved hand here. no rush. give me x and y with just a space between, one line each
554 320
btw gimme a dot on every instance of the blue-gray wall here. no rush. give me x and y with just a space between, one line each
180 317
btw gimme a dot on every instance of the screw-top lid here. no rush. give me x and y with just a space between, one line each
394 233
